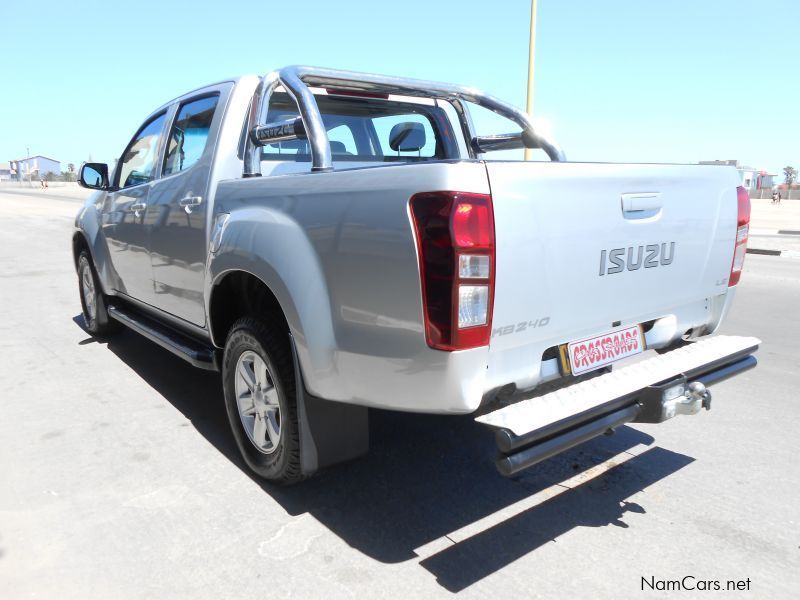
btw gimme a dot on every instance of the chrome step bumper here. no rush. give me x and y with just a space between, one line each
650 391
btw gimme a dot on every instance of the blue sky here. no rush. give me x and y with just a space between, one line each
620 80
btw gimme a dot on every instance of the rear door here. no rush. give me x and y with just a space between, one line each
583 248
178 206
125 212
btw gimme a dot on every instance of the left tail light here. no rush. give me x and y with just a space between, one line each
742 233
456 247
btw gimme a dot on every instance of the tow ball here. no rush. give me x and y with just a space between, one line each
662 402
695 397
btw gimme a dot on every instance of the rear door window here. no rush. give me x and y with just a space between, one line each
189 134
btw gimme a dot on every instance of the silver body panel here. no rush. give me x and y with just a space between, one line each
338 252
127 238
336 248
178 241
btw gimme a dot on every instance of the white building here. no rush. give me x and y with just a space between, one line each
34 167
752 179
5 172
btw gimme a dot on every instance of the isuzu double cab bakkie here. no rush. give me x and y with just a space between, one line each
333 241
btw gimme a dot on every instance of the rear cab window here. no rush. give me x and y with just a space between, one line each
368 130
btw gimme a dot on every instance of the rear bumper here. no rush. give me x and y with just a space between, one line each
650 391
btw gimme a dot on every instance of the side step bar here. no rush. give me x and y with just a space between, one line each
203 356
650 391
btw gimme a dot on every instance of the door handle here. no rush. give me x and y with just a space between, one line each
641 204
189 202
137 208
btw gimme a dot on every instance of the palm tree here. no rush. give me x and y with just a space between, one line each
789 175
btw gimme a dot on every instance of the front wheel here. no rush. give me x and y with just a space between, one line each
93 302
259 385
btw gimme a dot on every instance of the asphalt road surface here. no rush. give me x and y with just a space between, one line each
119 477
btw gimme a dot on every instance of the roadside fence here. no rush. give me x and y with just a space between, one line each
36 184
793 194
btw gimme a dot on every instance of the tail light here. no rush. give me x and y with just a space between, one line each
742 231
455 242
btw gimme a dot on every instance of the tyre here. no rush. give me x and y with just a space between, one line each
259 385
93 302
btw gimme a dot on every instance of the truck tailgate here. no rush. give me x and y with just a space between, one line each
583 248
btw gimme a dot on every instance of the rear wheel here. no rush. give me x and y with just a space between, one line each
93 302
259 384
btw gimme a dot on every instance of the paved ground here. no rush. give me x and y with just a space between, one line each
119 479
766 215
775 228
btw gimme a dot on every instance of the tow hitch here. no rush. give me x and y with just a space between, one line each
651 391
662 402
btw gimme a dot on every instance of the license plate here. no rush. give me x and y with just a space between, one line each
602 350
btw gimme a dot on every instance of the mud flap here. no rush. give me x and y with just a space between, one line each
330 432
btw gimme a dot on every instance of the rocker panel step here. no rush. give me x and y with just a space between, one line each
192 351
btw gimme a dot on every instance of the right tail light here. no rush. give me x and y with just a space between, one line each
742 232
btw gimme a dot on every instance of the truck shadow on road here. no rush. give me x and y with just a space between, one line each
426 479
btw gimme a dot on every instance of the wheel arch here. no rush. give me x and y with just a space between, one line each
88 235
271 247
79 243
238 293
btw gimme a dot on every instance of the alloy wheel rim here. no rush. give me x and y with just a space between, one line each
257 402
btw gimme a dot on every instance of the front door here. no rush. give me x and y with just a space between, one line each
125 212
178 206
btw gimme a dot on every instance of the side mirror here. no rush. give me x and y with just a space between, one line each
94 176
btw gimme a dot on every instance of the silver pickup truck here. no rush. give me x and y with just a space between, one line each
332 241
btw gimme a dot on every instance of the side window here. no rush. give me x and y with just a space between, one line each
189 134
284 150
342 141
138 163
340 137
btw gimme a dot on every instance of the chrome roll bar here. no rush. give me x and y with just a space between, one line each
296 80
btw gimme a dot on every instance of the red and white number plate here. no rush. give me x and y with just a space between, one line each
599 351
